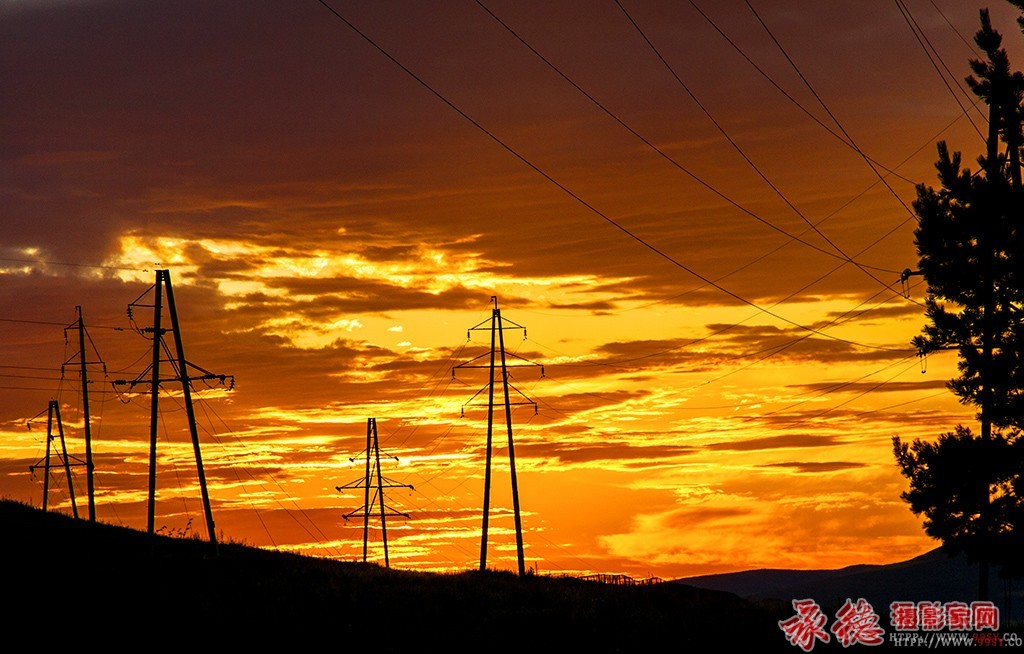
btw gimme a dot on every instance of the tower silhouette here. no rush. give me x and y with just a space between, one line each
66 461
180 367
366 482
497 325
83 371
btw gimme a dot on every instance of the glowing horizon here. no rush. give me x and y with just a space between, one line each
725 361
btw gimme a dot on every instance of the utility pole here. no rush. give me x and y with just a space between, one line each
52 416
79 324
497 325
382 482
180 366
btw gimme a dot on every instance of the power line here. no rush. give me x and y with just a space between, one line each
663 154
34 322
824 106
60 324
740 150
576 197
970 46
846 142
74 265
789 96
929 49
31 377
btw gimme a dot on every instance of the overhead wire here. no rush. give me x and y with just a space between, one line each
836 387
736 146
933 54
319 533
970 46
580 200
421 479
845 139
406 433
207 410
73 265
766 352
727 136
464 115
807 419
550 179
311 521
787 94
659 150
800 105
831 115
839 319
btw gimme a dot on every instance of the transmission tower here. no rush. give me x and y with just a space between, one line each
180 367
53 416
83 371
366 482
497 326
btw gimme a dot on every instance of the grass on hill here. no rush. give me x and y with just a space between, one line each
68 578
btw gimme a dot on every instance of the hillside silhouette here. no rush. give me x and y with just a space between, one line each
932 576
70 580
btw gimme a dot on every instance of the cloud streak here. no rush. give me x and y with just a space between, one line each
713 366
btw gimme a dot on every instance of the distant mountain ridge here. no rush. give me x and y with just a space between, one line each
933 576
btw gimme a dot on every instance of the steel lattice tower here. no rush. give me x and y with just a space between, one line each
180 367
497 326
83 370
53 417
366 483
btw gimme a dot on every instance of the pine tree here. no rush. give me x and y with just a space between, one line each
968 242
969 486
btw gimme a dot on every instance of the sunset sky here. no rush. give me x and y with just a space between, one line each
699 212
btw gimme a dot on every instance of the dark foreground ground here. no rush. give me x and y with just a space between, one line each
67 581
